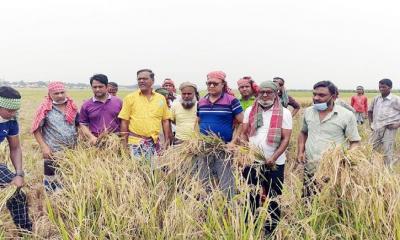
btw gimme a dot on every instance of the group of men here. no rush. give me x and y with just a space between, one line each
260 118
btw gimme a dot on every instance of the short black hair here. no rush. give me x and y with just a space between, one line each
387 82
114 84
146 70
279 78
333 90
100 78
9 92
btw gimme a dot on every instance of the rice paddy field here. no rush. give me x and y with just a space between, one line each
108 195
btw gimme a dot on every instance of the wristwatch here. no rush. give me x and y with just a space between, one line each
20 173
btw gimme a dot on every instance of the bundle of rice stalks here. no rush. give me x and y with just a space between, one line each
358 198
107 195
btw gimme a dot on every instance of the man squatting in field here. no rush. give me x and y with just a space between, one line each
268 126
10 102
55 128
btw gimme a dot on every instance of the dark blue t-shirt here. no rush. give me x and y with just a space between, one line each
7 129
218 117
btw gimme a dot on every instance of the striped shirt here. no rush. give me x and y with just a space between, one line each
217 117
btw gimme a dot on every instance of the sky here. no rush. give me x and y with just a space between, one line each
351 43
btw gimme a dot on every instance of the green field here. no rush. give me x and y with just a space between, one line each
110 196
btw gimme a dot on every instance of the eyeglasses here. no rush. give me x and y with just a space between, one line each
268 93
214 84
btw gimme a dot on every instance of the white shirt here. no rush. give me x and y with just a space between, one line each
260 138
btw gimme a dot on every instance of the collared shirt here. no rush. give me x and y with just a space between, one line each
218 117
185 120
101 116
247 103
337 127
259 139
144 115
385 110
8 128
57 132
360 103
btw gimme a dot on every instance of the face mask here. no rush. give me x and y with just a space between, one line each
321 106
266 104
60 102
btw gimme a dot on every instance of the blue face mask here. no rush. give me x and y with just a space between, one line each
321 106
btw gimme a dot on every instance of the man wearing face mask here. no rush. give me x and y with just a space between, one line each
55 128
184 112
325 124
268 126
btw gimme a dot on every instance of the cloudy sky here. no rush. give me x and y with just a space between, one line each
349 42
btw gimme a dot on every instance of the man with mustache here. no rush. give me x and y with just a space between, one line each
325 124
216 113
55 128
184 112
143 114
10 103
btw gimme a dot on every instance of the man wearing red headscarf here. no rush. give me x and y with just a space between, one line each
216 114
248 90
55 128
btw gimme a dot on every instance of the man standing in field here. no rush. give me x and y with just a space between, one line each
360 104
184 112
286 100
100 113
142 115
55 128
112 88
268 126
325 124
384 118
170 86
10 102
216 113
248 90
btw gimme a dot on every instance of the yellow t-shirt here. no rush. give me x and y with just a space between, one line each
144 115
185 120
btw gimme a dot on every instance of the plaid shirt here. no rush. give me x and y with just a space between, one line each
385 111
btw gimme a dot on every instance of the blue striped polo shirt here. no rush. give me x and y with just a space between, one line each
217 118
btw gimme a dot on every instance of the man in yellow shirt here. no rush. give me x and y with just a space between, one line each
142 114
184 112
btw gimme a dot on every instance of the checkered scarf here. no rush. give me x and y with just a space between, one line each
275 127
70 112
10 103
